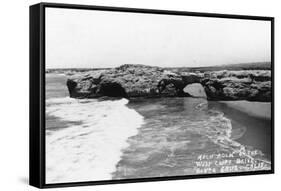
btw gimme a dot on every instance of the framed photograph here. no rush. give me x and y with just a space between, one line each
121 95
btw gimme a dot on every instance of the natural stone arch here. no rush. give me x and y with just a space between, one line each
112 89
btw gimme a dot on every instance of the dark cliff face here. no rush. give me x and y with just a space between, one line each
129 81
146 81
252 85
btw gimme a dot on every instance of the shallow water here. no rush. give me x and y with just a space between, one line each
178 131
89 140
257 129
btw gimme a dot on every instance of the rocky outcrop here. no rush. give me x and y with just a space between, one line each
84 85
146 81
252 85
129 81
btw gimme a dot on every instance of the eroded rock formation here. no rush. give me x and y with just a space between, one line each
146 81
128 81
252 85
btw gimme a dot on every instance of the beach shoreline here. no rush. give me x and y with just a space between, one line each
172 134
254 109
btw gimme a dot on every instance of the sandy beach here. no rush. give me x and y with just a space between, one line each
255 109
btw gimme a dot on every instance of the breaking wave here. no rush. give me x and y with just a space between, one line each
88 150
218 129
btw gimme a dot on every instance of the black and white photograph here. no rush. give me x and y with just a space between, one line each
131 95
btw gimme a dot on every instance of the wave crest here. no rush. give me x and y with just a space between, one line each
88 151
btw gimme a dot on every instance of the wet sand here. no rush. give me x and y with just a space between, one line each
254 118
175 135
255 109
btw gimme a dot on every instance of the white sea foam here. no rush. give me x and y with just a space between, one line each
88 151
219 130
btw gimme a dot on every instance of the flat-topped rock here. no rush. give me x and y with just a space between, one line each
252 85
146 81
128 81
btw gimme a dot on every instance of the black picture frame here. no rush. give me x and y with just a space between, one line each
37 93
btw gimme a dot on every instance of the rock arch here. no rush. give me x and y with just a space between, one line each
112 89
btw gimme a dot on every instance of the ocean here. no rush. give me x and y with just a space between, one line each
105 139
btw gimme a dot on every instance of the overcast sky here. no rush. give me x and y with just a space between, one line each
100 39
